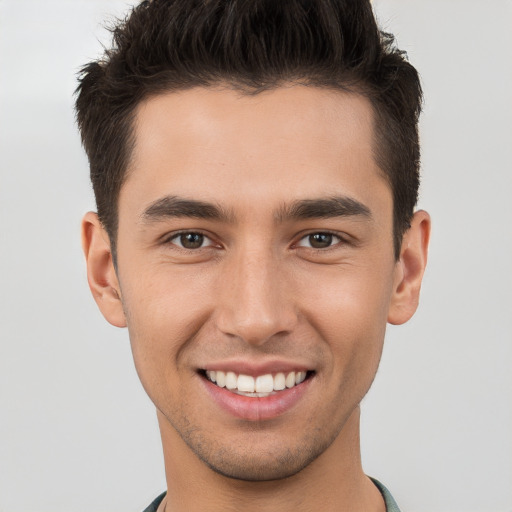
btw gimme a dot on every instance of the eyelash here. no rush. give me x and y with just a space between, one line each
335 236
176 236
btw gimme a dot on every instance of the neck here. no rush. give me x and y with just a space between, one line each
334 481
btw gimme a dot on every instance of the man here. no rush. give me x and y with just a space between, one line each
255 166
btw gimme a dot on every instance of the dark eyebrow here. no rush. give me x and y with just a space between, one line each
173 206
323 208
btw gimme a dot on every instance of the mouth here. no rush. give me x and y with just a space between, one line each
257 390
259 386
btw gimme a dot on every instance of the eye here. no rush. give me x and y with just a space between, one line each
191 240
319 240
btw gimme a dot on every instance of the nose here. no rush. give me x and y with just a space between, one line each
255 303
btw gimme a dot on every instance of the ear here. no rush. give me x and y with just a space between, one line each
101 273
409 269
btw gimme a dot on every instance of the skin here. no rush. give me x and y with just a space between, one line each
256 290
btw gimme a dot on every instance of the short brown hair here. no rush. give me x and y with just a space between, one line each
252 45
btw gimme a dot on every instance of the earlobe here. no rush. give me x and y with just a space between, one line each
101 273
410 269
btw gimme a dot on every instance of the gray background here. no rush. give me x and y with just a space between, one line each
77 432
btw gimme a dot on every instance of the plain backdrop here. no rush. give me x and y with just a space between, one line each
78 434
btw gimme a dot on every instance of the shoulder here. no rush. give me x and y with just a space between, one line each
153 507
391 505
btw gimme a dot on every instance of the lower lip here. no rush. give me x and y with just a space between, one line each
256 408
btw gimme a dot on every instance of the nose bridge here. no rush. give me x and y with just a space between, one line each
254 304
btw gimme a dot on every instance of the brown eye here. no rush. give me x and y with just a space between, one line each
319 240
191 240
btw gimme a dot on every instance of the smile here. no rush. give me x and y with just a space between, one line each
259 386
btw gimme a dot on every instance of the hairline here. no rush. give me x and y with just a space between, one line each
359 89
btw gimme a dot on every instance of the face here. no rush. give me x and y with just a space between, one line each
256 271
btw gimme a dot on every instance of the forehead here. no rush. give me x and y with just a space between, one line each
204 116
214 143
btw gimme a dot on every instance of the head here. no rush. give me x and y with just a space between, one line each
165 46
255 165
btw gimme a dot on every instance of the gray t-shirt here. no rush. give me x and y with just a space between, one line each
391 505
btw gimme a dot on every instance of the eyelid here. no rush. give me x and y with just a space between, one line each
170 238
340 239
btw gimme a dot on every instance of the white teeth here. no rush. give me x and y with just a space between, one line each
279 382
246 383
290 380
299 377
263 385
231 380
220 379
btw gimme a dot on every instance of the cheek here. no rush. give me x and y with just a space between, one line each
164 311
349 311
158 297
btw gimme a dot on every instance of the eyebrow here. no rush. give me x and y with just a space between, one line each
172 206
323 208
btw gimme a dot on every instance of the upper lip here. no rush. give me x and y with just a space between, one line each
256 368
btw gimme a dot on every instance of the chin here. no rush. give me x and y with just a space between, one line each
262 465
249 470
